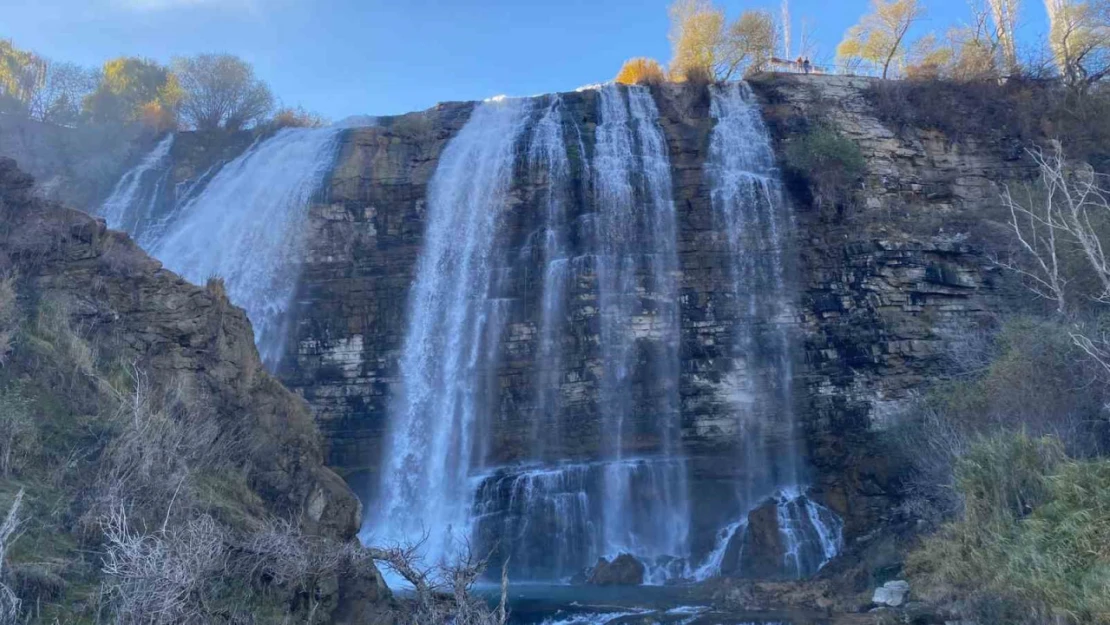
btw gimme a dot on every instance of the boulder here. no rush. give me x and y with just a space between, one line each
756 551
624 570
891 594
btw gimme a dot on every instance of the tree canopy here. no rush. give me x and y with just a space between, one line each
706 47
879 39
129 85
1079 37
221 91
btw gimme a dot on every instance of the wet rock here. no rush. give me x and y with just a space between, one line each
624 570
757 552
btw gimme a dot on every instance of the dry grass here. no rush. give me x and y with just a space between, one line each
8 316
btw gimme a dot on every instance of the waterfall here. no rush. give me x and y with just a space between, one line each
247 225
755 221
133 202
547 157
637 263
555 517
437 420
551 516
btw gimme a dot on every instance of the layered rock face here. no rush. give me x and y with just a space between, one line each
353 311
798 333
881 292
895 286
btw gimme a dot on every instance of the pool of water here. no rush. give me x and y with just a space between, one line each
544 604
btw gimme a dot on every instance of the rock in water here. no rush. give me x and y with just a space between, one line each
758 552
891 594
624 570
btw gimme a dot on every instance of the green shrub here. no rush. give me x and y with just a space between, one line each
831 162
1034 535
1023 378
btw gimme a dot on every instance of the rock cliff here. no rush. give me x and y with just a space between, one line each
883 288
138 317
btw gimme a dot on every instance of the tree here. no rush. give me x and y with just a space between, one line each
640 70
1079 37
1004 13
221 91
929 59
785 18
748 44
21 75
879 39
127 84
64 87
706 48
975 46
1061 232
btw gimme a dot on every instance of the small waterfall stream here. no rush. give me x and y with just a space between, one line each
637 263
750 212
133 203
438 418
554 516
246 225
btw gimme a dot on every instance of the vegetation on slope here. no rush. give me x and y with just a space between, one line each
1009 460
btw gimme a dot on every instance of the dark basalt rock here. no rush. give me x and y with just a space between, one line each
624 570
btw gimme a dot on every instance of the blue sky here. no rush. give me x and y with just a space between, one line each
346 57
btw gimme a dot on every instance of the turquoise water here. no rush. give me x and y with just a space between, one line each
543 604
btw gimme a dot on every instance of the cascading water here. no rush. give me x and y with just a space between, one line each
437 421
751 214
547 158
132 205
245 226
552 517
637 262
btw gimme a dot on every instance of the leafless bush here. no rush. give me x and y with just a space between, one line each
164 437
161 577
1062 228
9 602
281 553
444 594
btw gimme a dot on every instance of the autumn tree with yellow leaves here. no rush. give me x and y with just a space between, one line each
1079 37
133 89
706 47
879 39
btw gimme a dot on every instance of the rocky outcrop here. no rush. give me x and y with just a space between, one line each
757 552
623 570
176 333
145 315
